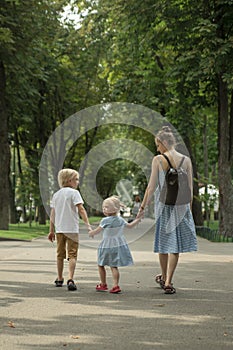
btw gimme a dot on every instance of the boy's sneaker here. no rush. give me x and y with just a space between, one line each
71 285
59 283
115 289
101 287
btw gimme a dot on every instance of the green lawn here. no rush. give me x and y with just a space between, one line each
25 232
213 225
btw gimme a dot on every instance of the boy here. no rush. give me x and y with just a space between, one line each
67 205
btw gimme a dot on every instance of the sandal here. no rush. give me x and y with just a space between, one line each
169 290
160 281
59 283
71 285
101 287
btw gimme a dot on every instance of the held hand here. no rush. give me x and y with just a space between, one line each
138 220
51 237
140 214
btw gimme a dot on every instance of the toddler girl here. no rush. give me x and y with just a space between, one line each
113 250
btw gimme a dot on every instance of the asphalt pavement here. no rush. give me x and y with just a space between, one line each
37 315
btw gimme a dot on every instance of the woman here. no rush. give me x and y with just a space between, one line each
174 225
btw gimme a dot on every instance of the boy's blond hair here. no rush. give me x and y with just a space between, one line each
114 204
65 175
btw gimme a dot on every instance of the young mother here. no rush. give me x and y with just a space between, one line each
174 226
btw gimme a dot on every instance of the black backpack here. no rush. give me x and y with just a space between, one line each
176 188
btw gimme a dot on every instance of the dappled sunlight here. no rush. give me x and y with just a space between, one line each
45 317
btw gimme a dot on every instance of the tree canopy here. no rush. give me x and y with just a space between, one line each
174 57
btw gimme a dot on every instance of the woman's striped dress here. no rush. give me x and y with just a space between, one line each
174 226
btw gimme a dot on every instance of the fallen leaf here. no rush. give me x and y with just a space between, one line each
225 334
11 324
75 336
160 305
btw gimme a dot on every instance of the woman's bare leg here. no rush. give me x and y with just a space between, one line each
163 260
172 263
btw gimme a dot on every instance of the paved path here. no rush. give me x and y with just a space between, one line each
36 315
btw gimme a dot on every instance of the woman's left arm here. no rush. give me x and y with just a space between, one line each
152 183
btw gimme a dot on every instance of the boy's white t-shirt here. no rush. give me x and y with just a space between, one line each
64 202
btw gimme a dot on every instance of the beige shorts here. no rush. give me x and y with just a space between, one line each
67 248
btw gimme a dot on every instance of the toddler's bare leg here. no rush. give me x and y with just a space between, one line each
115 276
102 273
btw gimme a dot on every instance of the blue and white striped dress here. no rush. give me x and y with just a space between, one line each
113 249
174 226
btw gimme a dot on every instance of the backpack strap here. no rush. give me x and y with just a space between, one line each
167 160
166 157
181 161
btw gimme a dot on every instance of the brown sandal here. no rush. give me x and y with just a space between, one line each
160 281
169 290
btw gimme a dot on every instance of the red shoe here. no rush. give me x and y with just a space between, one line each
101 287
115 290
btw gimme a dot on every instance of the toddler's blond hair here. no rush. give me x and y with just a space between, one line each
114 204
65 175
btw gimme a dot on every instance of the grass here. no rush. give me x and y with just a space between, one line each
213 224
25 232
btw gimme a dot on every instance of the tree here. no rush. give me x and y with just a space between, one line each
139 61
32 83
204 65
184 49
171 56
5 154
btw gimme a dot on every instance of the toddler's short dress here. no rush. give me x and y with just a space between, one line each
174 226
113 249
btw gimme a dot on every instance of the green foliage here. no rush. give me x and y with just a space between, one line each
165 55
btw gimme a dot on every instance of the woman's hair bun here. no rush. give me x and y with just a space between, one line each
166 129
166 134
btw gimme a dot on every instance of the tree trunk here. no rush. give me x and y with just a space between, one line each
13 212
206 172
42 216
12 186
196 205
225 157
4 155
